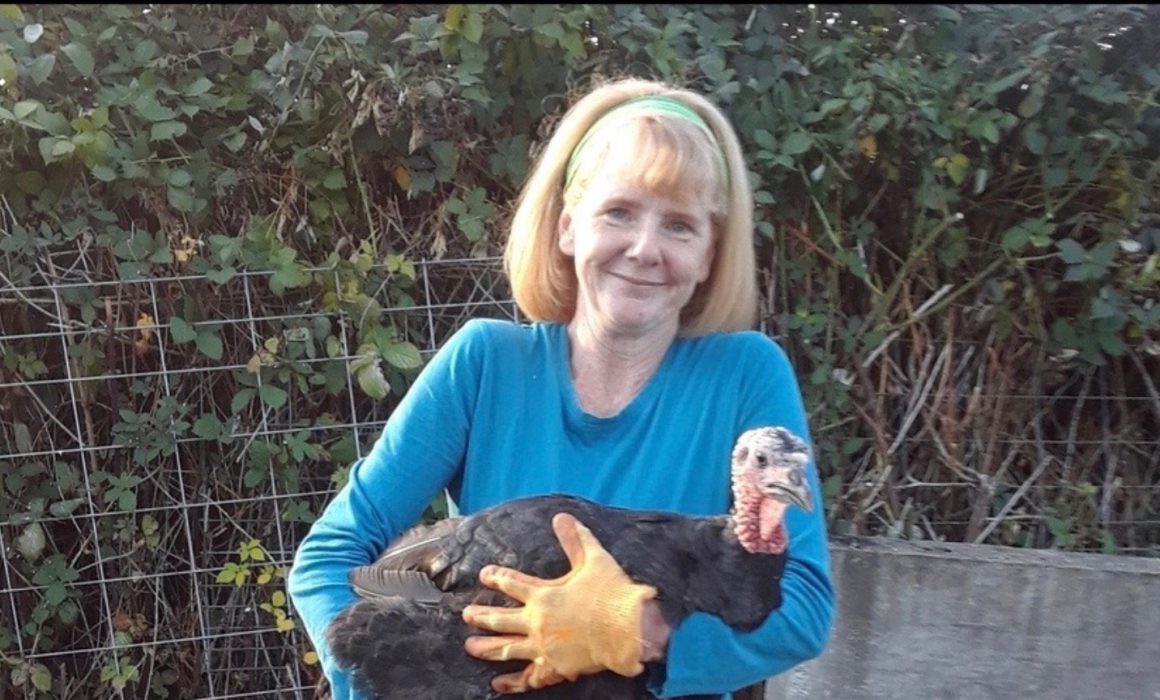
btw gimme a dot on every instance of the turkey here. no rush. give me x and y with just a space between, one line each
405 637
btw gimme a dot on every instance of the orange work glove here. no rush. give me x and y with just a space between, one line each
582 623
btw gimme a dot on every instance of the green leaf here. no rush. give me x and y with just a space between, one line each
990 132
41 677
12 12
403 355
63 148
63 509
8 69
198 87
288 277
31 542
273 396
1103 254
235 141
1112 344
208 427
81 58
764 139
1036 142
166 130
221 276
104 173
1010 81
179 198
228 573
181 330
1054 177
1103 309
25 108
100 117
473 27
832 105
981 177
334 180
945 13
22 436
446 157
17 240
150 109
1072 252
41 68
253 477
1030 105
796 144
371 380
1079 273
877 122
241 400
127 500
179 177
210 344
1151 75
145 51
242 47
956 167
1016 239
454 17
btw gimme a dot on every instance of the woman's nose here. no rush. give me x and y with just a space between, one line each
646 247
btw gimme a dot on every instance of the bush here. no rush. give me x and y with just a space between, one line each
217 212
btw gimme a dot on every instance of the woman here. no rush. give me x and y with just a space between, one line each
632 252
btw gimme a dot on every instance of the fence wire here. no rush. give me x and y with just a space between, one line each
134 564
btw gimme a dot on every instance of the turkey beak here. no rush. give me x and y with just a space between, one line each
791 485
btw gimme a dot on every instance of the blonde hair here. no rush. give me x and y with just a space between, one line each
543 278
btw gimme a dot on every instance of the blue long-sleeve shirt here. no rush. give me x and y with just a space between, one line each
494 416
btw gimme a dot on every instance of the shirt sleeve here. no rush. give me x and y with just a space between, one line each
420 450
705 656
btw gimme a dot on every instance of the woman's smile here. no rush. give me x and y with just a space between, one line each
636 281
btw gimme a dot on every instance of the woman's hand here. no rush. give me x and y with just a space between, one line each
582 623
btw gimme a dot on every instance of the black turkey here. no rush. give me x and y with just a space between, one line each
404 639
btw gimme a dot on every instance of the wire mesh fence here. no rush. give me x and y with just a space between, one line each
152 503
145 545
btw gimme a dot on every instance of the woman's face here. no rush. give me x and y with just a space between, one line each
638 255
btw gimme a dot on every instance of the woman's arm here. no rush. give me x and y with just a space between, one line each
420 450
704 655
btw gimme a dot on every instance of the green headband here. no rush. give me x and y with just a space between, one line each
648 104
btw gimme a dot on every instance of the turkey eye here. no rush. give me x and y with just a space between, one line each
761 460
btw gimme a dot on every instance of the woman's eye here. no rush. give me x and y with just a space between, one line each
617 213
681 228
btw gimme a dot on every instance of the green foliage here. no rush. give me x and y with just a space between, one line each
237 197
